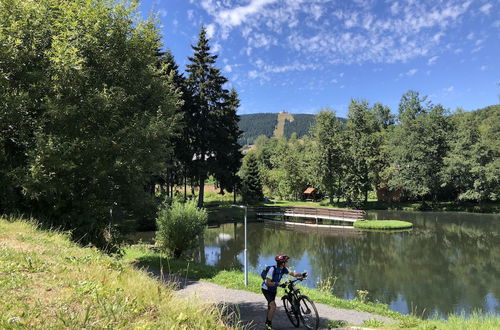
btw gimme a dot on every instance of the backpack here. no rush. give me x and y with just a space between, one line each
264 272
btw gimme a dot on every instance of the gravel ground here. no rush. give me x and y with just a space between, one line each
251 308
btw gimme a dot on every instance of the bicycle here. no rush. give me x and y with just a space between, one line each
299 307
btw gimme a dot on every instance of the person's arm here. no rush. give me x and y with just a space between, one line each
270 283
298 275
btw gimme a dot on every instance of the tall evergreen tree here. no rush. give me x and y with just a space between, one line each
228 155
212 119
251 185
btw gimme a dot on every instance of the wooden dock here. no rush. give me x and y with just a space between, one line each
316 213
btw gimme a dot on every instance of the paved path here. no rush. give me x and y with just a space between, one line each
251 307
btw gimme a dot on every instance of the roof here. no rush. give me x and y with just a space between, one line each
309 190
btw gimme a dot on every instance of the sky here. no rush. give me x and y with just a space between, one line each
302 56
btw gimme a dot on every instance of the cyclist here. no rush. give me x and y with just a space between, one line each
272 281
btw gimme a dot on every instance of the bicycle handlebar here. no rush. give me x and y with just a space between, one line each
291 282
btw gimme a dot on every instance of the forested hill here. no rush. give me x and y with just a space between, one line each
257 124
266 124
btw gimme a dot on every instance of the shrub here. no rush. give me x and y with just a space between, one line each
179 227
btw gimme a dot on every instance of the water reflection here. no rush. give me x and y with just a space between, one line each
449 262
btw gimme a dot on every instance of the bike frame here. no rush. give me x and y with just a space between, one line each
293 293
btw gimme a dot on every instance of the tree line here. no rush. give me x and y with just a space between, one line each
94 116
423 153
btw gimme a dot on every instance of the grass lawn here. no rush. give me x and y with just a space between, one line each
382 224
48 282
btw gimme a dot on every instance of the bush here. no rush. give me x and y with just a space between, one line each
179 227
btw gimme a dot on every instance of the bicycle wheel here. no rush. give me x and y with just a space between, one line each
290 311
308 313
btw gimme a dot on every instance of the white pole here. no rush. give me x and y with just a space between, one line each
245 252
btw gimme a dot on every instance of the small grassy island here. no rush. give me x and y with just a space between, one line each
382 224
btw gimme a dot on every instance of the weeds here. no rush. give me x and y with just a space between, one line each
373 323
337 324
327 284
361 295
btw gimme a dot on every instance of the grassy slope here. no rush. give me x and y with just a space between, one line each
142 255
46 281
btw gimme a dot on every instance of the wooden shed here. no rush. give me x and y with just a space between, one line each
310 194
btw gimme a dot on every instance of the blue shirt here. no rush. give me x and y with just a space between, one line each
275 274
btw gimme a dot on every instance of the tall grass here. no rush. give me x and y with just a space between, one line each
46 281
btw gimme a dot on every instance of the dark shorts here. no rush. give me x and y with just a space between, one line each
270 295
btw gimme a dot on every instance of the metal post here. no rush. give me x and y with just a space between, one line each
245 252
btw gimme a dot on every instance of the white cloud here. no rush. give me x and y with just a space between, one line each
210 31
238 15
253 74
323 31
162 12
409 73
432 60
190 14
483 67
395 8
228 68
486 8
216 47
258 40
448 89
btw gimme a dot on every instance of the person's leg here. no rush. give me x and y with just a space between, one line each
271 306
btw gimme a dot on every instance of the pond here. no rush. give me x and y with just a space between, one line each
448 263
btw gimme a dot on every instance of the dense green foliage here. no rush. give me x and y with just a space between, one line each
180 226
423 154
328 154
94 117
86 117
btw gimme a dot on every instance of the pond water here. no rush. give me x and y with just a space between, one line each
448 263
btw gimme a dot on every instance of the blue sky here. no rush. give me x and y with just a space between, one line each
304 55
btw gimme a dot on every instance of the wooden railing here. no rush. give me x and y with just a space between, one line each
318 212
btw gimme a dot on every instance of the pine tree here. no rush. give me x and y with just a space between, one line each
212 119
251 185
228 155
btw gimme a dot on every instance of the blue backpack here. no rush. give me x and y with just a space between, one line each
264 272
